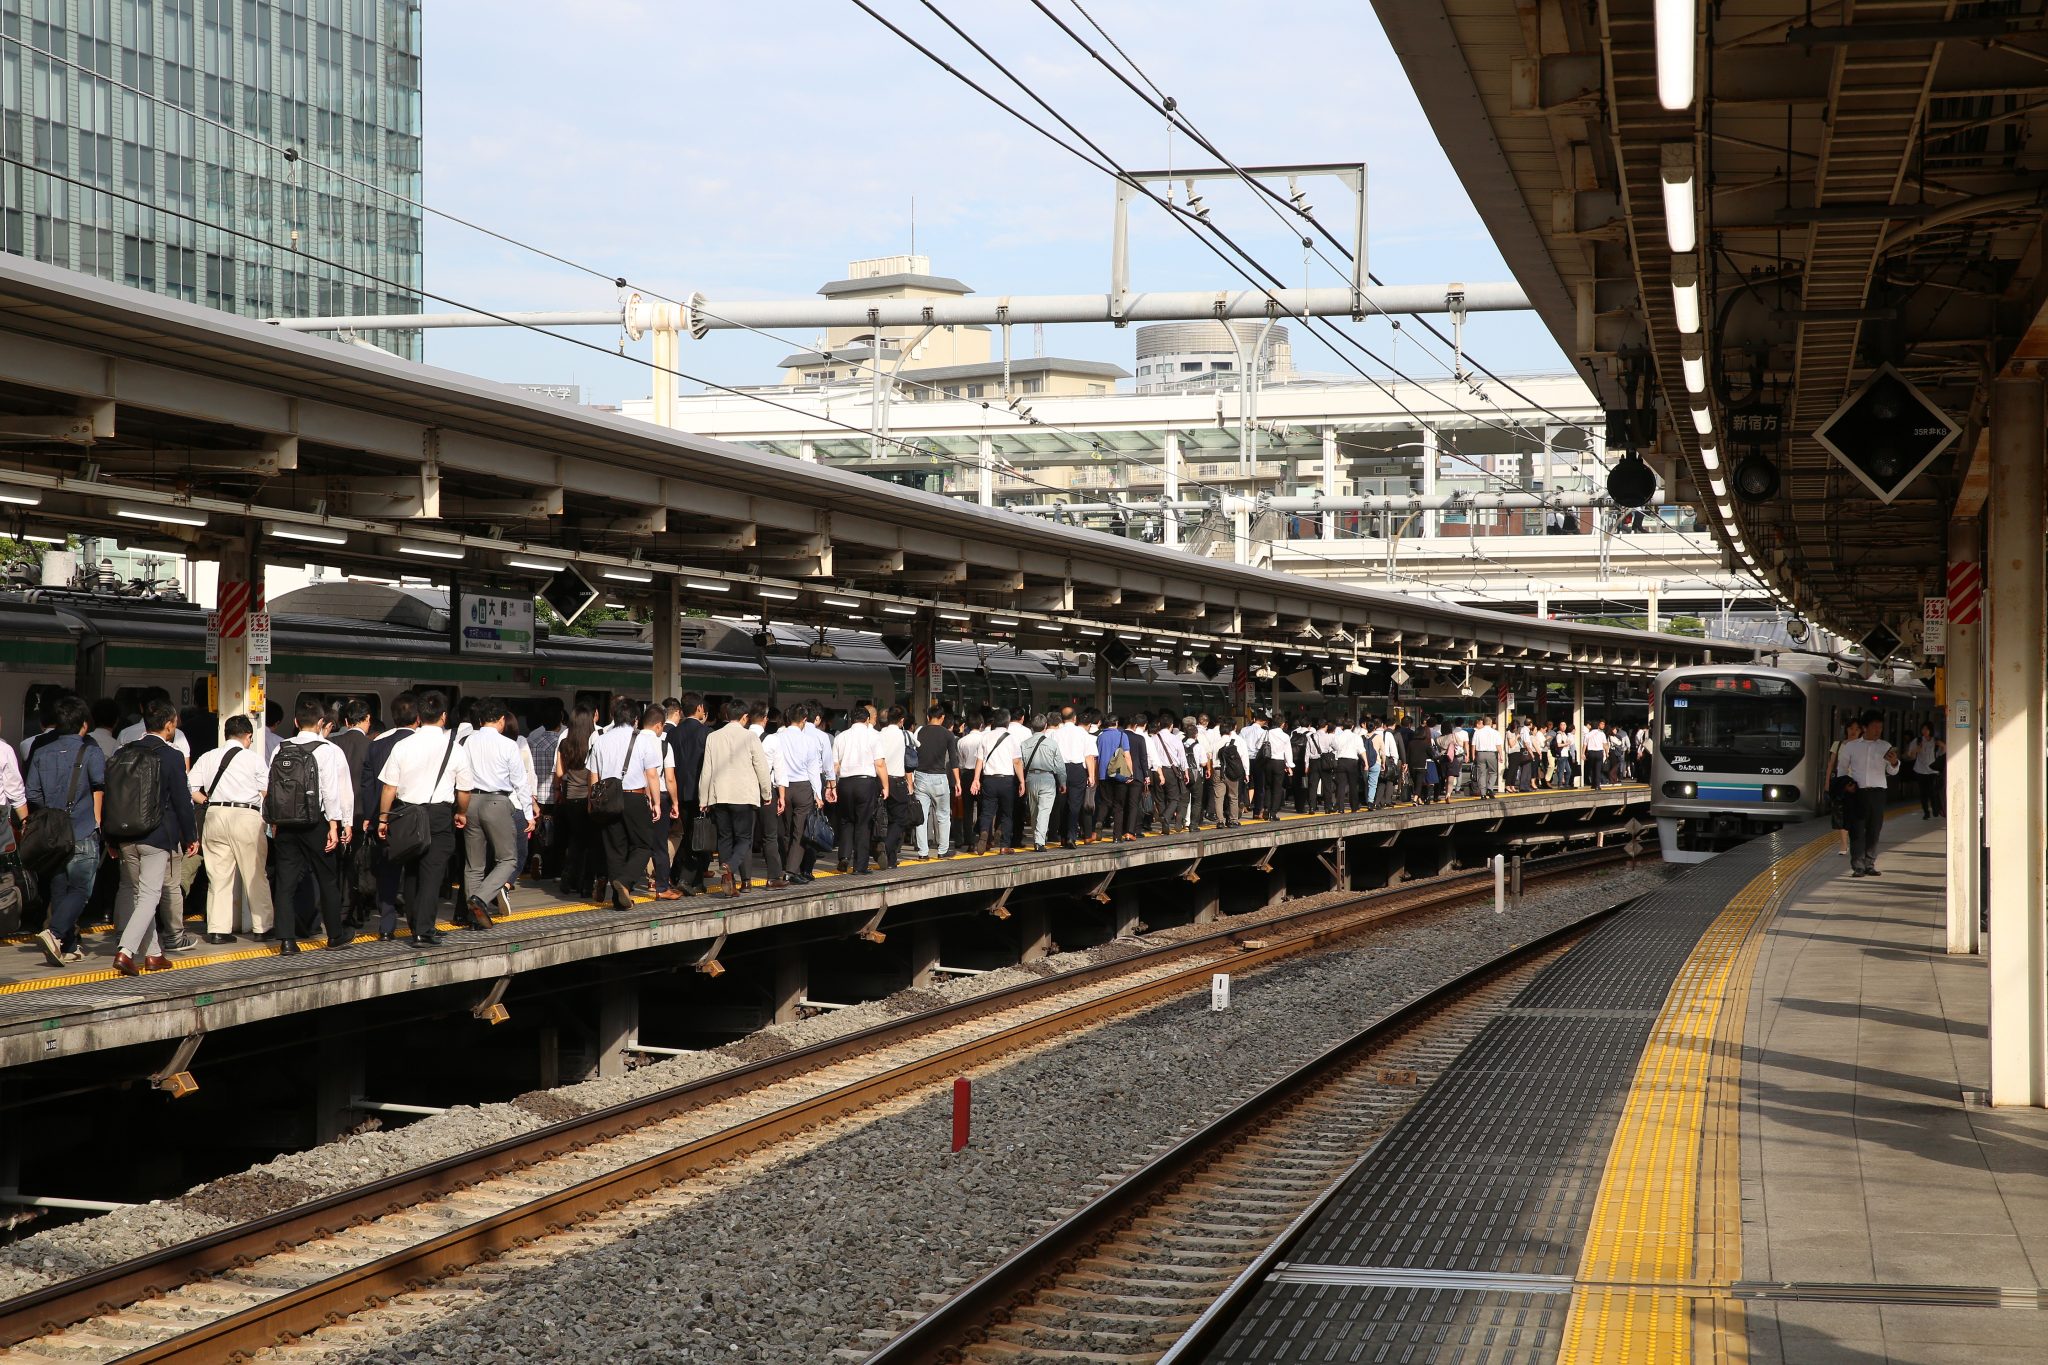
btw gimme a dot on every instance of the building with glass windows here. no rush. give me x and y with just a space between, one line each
257 156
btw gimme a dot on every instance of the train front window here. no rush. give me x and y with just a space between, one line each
1735 715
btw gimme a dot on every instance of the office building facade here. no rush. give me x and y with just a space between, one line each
261 157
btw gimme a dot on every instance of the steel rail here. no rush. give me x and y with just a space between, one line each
46 1311
941 1334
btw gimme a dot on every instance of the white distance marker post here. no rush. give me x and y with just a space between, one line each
1219 991
1500 883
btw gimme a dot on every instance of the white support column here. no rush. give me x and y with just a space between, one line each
667 643
665 348
1650 616
1169 530
1965 716
807 451
1329 481
1579 727
1429 464
2014 714
238 683
1241 533
985 476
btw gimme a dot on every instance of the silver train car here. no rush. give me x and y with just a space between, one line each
1738 750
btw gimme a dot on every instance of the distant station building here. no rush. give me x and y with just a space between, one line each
1217 414
180 184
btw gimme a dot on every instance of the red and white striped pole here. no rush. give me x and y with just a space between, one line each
1963 698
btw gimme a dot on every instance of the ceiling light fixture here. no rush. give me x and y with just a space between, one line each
537 565
1703 420
19 496
169 516
1677 21
777 594
1692 360
841 602
901 611
629 575
311 535
954 616
1685 292
1681 224
697 585
1710 457
424 550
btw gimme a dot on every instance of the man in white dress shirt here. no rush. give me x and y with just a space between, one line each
308 835
227 785
631 752
1869 762
857 783
500 803
422 770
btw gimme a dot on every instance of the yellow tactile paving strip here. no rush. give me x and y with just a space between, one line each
1642 1269
206 959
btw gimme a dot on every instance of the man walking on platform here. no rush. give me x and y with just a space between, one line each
147 848
422 771
228 782
500 803
1868 762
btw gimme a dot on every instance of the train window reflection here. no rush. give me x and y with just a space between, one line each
1734 714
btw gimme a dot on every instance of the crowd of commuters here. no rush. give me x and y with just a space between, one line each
333 821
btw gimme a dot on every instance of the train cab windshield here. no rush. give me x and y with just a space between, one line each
1719 715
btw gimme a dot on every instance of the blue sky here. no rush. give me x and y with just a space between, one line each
750 151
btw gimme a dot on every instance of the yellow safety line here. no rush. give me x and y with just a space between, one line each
1638 1275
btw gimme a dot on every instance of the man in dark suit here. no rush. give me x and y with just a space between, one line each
686 732
405 718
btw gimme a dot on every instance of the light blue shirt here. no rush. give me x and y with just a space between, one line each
496 765
806 757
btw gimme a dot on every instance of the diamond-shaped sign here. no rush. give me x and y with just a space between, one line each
1879 644
1887 433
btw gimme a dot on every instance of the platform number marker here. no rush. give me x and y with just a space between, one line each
1219 991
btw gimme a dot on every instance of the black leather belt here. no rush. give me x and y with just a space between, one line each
234 805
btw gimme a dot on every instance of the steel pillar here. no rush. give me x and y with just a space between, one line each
1964 696
666 679
239 684
924 646
792 979
924 953
1034 934
1169 523
1102 688
985 475
618 1018
2014 714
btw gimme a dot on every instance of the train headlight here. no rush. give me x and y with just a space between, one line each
1692 789
1770 793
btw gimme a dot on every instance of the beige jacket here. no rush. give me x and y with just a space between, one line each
735 771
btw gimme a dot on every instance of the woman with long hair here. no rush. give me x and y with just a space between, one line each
581 861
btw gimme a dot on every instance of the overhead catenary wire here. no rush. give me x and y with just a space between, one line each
1194 223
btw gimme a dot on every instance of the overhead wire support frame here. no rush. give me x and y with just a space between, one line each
1350 174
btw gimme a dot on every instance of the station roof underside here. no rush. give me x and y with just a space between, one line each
156 422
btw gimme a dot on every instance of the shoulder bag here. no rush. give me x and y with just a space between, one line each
46 841
410 833
608 797
199 815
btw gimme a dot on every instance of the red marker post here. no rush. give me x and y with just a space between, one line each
963 1110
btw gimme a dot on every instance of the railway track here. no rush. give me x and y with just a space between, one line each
1122 1280
272 1279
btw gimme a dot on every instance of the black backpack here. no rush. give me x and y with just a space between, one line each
292 800
1230 759
133 805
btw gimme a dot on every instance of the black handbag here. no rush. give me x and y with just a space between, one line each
818 832
409 831
46 839
608 797
703 835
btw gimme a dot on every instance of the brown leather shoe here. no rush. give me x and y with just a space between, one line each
778 886
125 965
155 964
669 895
725 882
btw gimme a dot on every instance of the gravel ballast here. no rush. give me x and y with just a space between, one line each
818 1255
78 1248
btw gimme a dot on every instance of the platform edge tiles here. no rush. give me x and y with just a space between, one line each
71 1014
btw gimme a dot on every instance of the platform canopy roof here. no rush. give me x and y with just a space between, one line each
162 424
1867 184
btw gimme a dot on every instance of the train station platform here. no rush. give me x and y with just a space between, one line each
1741 1121
50 1013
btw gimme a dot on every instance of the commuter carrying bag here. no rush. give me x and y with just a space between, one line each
199 812
133 805
1120 762
292 798
1230 759
409 832
703 835
608 797
46 840
818 833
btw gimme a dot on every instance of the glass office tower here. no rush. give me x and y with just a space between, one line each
246 155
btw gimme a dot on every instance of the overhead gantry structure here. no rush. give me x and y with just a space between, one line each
165 425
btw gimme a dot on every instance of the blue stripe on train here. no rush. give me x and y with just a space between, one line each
1725 793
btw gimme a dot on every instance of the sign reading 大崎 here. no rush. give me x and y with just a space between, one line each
495 624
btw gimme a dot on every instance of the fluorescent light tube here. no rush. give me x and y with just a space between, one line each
901 611
1681 221
538 565
706 587
170 516
1710 457
1676 54
777 594
19 496
311 535
840 602
420 551
628 576
1703 421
